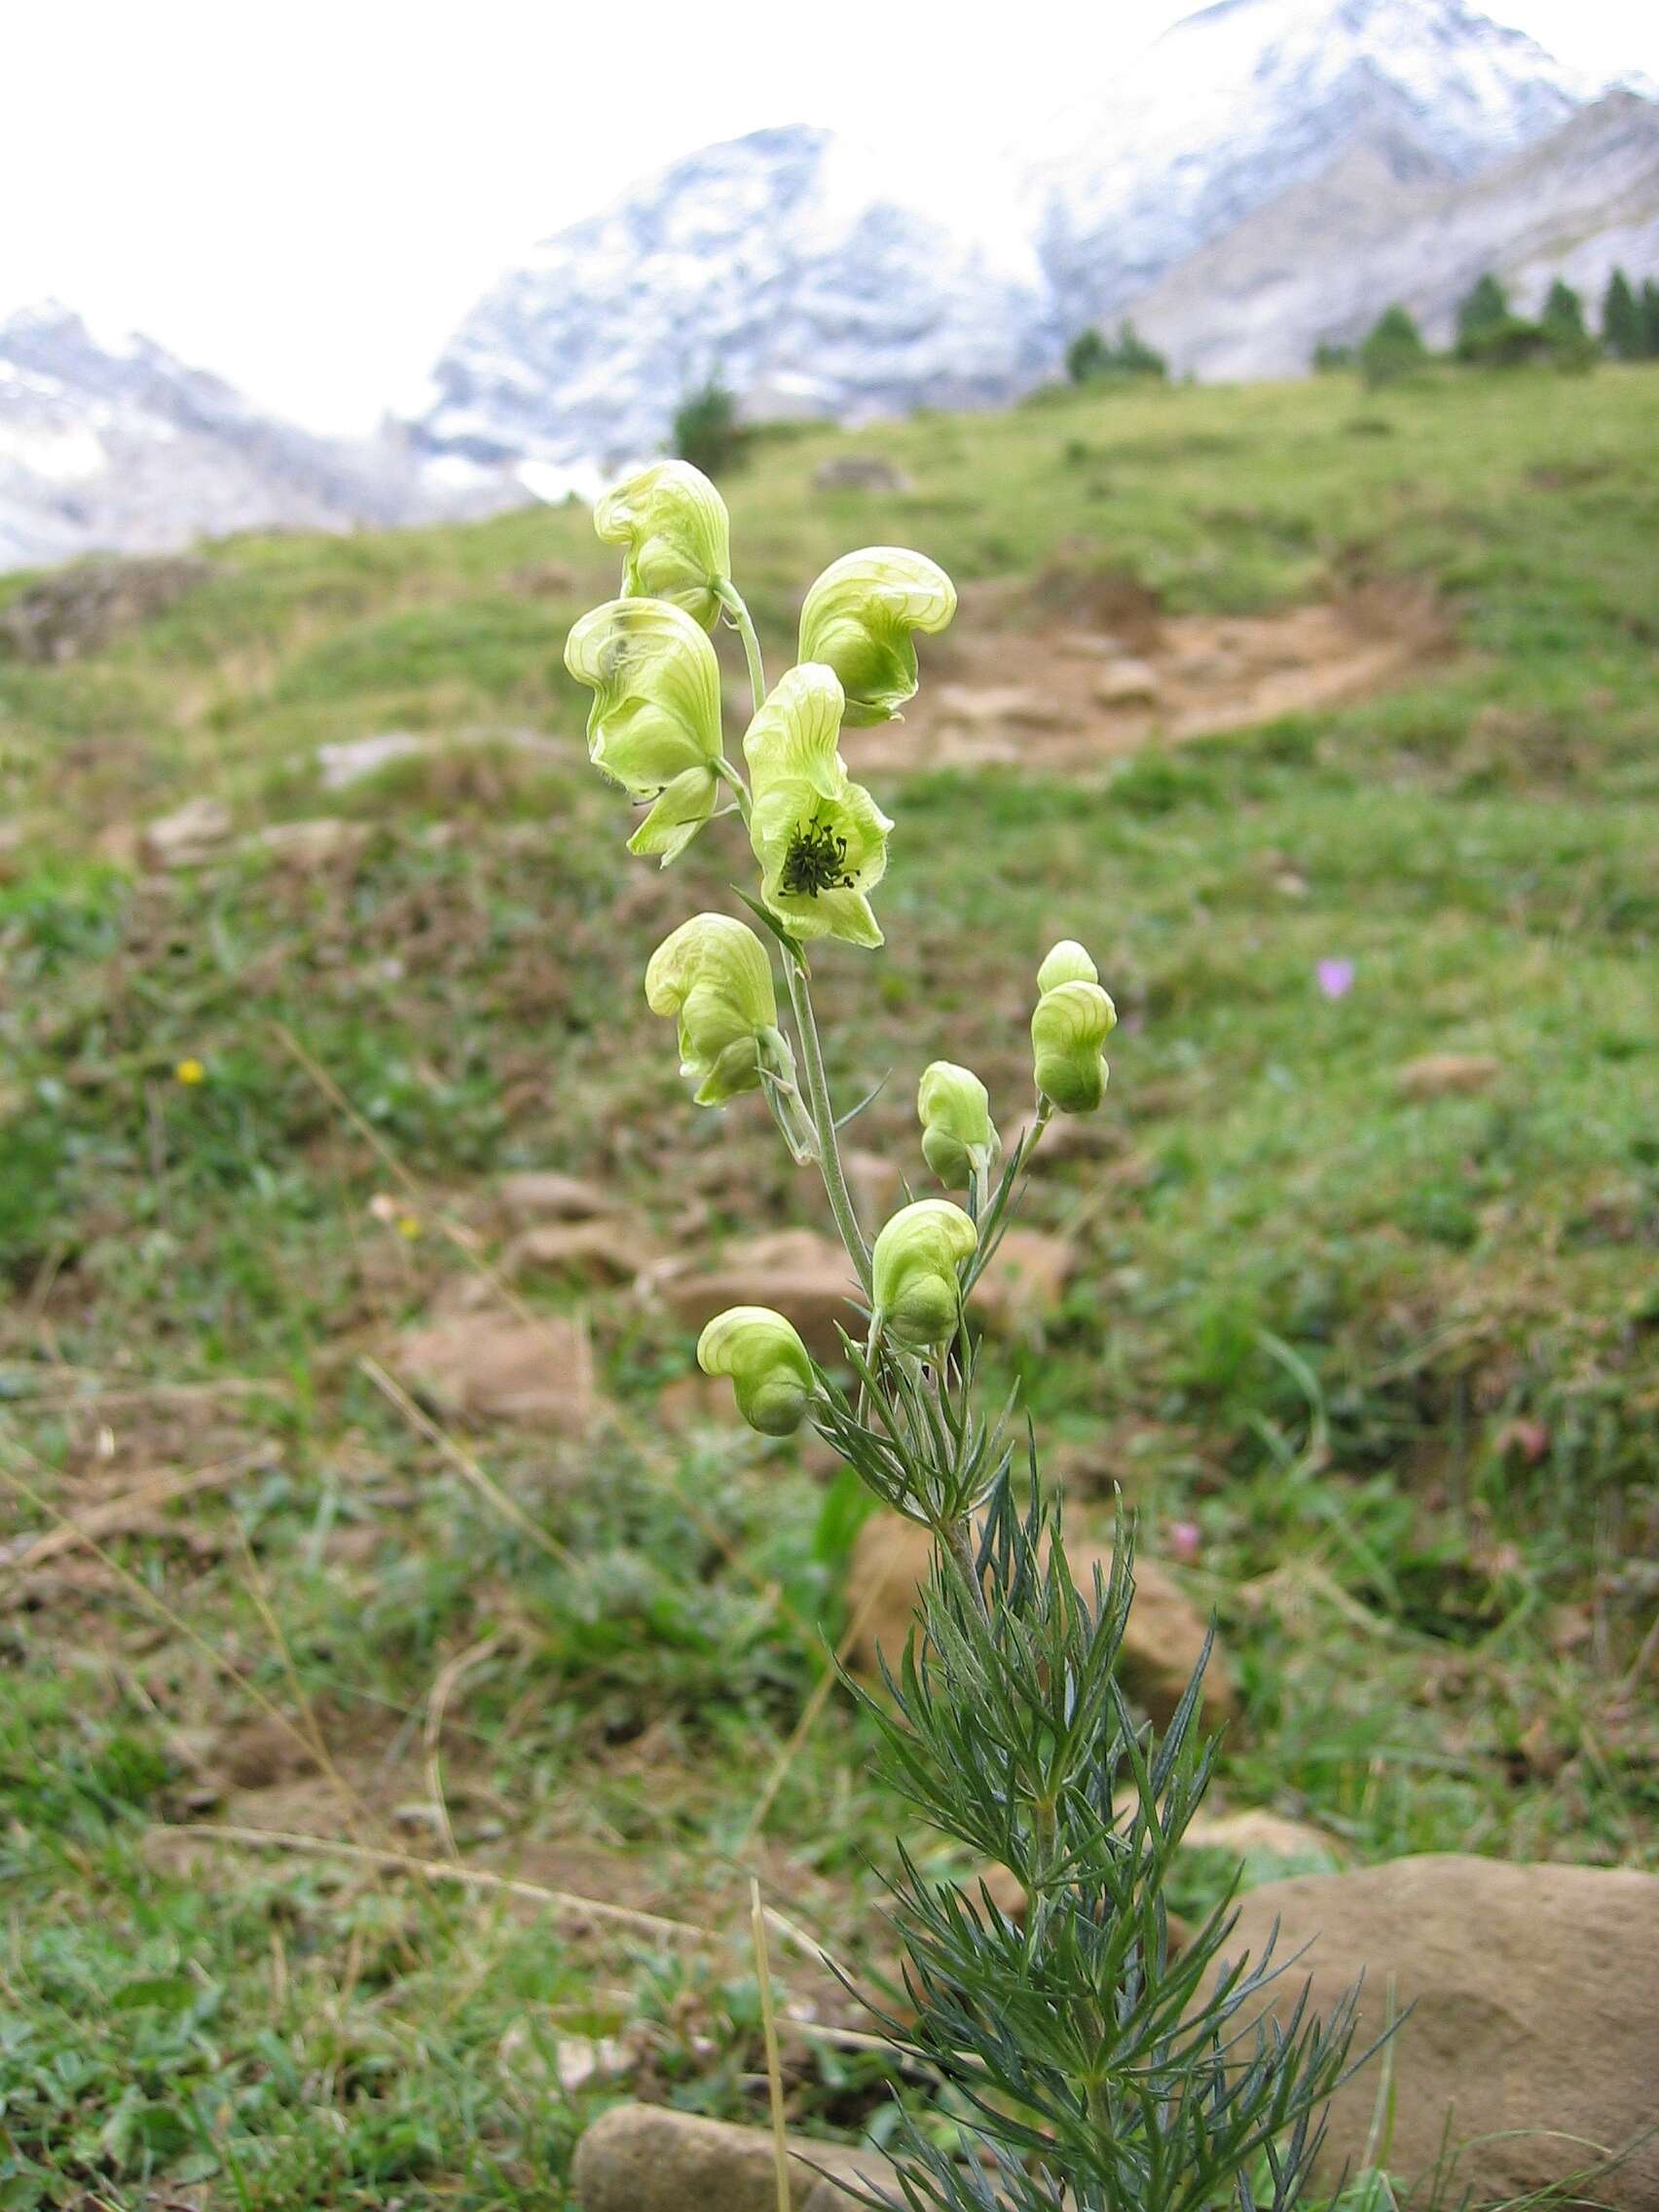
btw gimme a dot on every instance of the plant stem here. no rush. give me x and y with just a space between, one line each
823 1120
800 993
743 622
960 1546
725 768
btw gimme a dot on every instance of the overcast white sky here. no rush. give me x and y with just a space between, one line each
307 195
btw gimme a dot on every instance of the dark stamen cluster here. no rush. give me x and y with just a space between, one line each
816 861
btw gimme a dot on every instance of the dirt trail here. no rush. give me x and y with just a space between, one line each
1071 694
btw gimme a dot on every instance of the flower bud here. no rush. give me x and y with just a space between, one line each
959 1138
771 1373
1066 963
655 722
917 1296
675 526
1072 1021
861 618
820 839
713 973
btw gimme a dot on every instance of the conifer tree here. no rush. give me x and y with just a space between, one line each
1483 309
1088 356
1564 314
1621 318
1394 347
1568 340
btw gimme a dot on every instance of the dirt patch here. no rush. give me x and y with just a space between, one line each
1074 692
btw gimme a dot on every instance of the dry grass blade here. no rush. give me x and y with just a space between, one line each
769 2029
630 1432
74 1531
358 1817
462 1462
448 1870
157 1605
815 1702
437 1704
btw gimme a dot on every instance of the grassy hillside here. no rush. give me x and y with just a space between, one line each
1373 1349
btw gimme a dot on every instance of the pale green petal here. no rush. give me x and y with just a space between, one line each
1066 963
861 618
820 839
771 1373
655 719
917 1293
795 732
1069 1026
958 1134
675 527
681 811
713 973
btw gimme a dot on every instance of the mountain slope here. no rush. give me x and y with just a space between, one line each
786 261
1233 105
119 445
815 281
1319 262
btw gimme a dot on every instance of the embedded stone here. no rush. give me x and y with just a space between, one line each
195 832
1165 1633
1129 683
649 2159
536 1374
1532 2032
806 1278
1448 1075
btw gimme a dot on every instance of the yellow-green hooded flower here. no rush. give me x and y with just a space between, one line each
959 1138
1066 963
675 526
713 973
1073 1018
861 618
771 1373
655 722
820 839
916 1292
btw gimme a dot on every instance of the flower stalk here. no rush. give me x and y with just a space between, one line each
1087 2065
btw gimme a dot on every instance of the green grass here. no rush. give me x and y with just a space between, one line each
1398 1360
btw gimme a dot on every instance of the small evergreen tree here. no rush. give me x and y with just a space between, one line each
1649 331
1565 334
1135 357
1393 350
1329 357
1088 356
1483 309
1562 317
1621 318
707 432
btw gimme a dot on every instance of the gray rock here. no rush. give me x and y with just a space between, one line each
648 2159
1535 2029
530 1374
193 832
859 472
1128 682
799 1273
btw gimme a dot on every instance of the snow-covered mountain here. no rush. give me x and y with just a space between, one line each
788 262
815 278
1315 264
1268 173
113 444
1233 105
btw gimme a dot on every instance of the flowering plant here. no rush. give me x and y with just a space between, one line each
1095 2064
